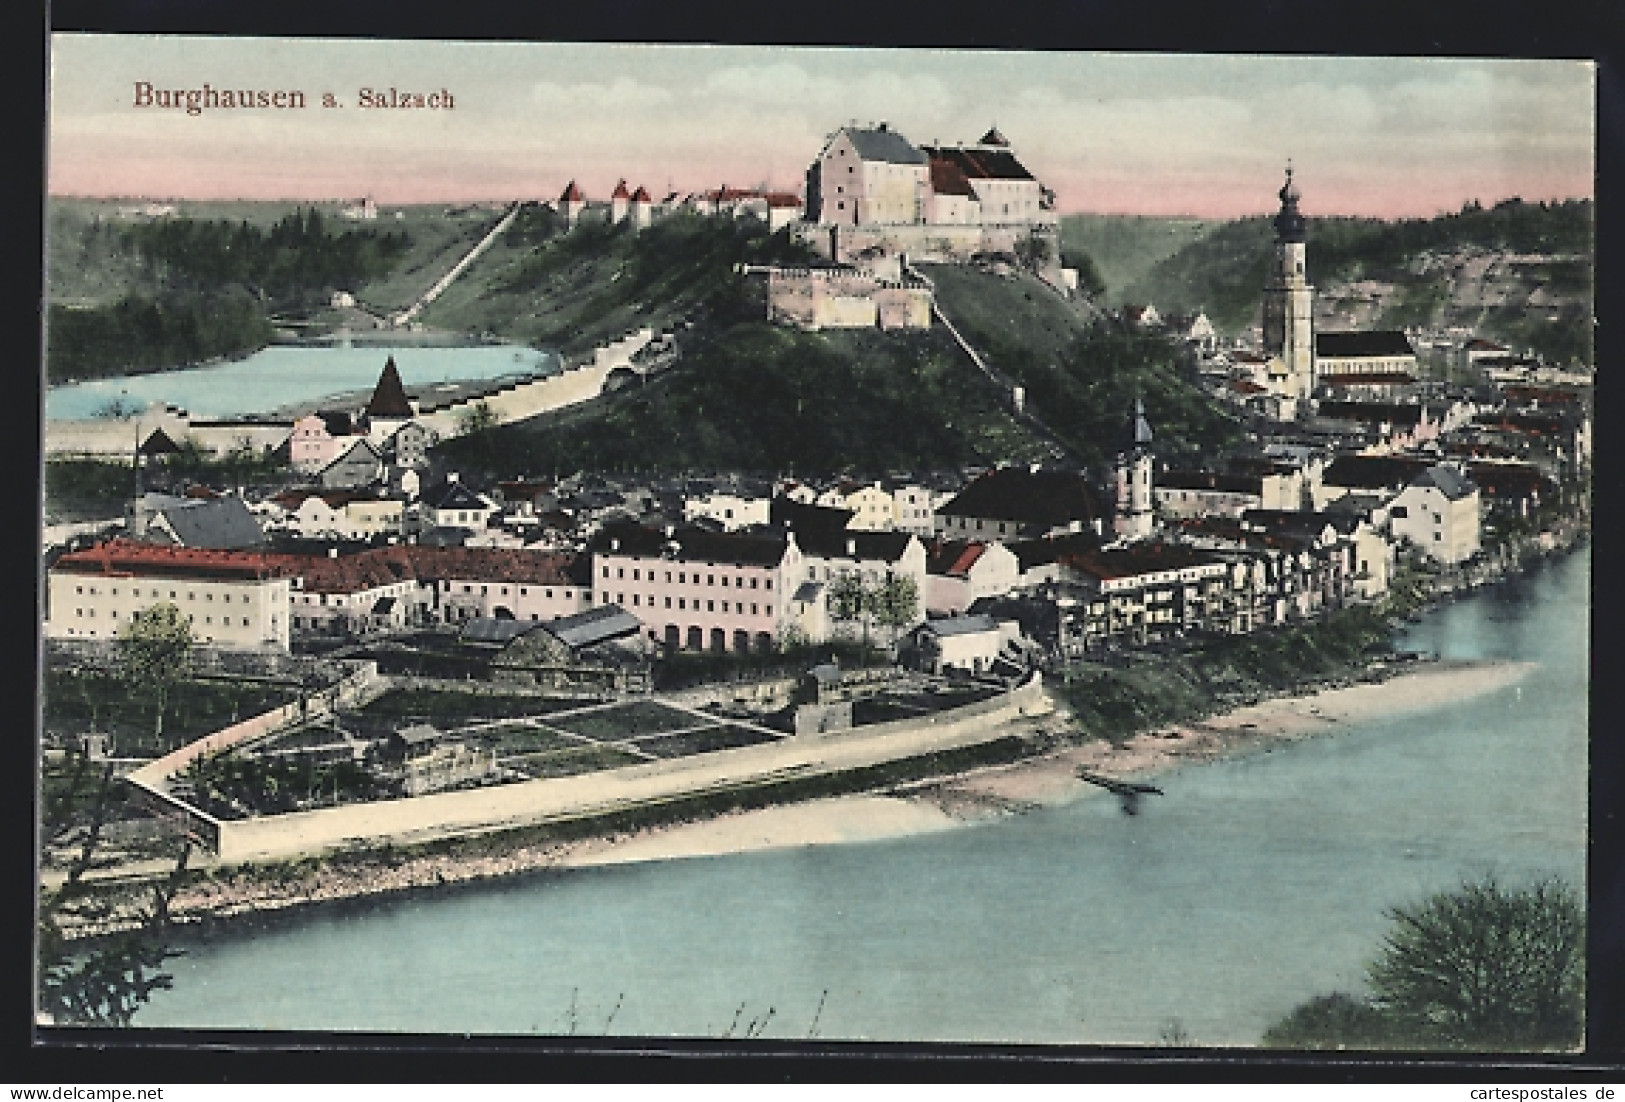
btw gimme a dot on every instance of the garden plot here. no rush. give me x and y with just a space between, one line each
701 740
589 758
622 722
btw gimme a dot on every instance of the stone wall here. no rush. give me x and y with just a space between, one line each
423 818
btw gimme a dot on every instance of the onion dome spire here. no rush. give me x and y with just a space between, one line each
1290 225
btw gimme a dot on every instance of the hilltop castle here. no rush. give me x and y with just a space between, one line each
872 192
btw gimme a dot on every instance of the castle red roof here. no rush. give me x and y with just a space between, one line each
640 196
572 194
620 191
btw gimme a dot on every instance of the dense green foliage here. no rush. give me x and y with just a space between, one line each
1090 281
1485 967
756 397
81 700
88 486
293 264
1122 248
1118 701
1086 394
139 334
106 983
98 488
570 290
747 395
1224 271
203 289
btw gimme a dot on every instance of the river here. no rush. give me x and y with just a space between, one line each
1252 885
285 375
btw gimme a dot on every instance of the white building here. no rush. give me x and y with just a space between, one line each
1439 514
234 600
732 511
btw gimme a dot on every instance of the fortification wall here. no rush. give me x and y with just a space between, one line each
514 402
423 818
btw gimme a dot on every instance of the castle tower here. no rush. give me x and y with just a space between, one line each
571 204
1132 518
1289 300
620 202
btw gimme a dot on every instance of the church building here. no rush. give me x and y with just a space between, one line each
1289 304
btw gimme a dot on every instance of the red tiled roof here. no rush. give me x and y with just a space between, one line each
953 558
572 194
782 199
620 191
947 178
1247 386
129 558
640 196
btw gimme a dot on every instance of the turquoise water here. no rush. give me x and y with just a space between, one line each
286 374
1250 886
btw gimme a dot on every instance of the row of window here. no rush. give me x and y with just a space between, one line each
225 621
683 578
154 594
684 604
524 591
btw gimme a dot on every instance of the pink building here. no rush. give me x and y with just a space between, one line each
698 590
320 438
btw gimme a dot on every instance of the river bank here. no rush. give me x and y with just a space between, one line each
223 895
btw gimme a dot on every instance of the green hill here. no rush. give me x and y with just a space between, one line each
1123 248
1521 272
570 291
1081 376
747 395
758 397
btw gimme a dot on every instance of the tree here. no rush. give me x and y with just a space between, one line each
849 601
476 417
1483 967
154 650
1487 966
1335 1021
107 983
896 603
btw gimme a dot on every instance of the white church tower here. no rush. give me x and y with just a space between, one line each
1289 302
1132 471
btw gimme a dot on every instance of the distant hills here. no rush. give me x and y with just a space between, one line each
1124 248
1520 272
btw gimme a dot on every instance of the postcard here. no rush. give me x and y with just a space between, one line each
820 545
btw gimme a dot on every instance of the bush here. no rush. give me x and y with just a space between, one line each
1484 967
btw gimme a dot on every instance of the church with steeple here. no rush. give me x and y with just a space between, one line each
1289 304
1132 517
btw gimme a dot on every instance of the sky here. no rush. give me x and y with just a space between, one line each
1203 135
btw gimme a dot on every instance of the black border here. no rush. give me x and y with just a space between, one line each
1502 28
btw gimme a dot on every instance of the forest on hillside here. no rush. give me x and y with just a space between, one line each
1224 272
205 289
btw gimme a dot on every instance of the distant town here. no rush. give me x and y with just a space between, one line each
505 645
